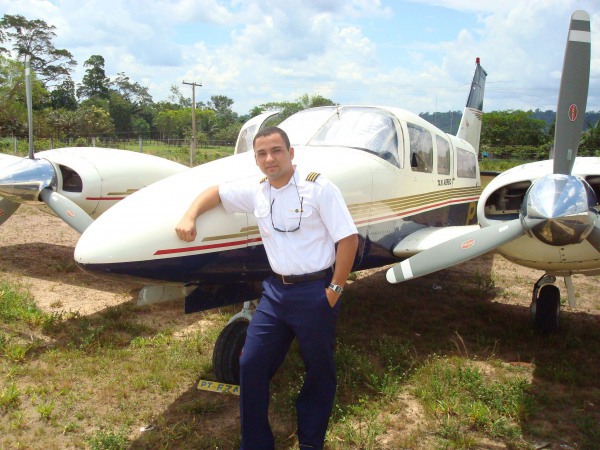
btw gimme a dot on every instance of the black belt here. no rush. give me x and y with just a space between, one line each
293 279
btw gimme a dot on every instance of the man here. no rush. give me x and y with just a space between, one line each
301 217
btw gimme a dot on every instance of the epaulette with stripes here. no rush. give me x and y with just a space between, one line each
263 180
312 176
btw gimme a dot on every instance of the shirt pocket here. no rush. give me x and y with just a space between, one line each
295 218
262 212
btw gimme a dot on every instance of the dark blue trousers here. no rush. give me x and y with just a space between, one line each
284 312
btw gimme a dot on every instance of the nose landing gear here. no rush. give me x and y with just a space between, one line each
545 305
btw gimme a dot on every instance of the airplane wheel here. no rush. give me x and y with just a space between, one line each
228 348
546 309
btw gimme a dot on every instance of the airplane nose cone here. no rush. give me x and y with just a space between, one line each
559 210
23 180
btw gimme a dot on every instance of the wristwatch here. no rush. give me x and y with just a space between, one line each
337 289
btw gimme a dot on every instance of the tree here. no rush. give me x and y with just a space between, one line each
34 38
13 105
93 121
139 126
221 105
94 85
172 123
63 122
590 140
207 122
63 96
306 101
136 96
286 109
503 128
178 98
134 93
121 112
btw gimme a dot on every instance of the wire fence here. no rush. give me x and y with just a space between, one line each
175 149
180 149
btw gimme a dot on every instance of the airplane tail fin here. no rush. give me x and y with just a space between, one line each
470 124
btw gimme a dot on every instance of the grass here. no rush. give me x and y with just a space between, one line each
409 376
467 402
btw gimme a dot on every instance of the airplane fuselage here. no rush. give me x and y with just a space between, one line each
389 196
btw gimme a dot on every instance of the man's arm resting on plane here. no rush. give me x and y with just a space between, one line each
344 258
207 200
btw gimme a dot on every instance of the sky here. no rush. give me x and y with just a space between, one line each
414 54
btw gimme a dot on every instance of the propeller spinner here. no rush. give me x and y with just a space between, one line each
559 210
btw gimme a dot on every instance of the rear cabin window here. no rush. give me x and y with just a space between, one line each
369 129
443 155
466 166
421 149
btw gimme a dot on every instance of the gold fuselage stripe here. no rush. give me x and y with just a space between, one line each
382 209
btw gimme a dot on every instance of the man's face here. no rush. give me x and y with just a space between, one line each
273 159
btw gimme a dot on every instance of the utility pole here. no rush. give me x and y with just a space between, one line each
193 142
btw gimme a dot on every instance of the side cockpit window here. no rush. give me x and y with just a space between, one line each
370 129
421 148
443 155
466 164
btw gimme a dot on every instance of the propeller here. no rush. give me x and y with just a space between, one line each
558 209
7 208
31 180
572 98
456 251
66 209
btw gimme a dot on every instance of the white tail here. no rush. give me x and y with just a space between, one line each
470 124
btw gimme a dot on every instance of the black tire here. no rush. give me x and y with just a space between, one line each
547 309
228 348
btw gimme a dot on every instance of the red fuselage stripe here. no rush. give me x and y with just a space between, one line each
170 251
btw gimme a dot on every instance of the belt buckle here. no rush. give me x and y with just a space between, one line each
283 280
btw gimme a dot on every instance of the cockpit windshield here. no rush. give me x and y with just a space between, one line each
370 129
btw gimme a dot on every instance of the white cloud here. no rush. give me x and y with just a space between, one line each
406 53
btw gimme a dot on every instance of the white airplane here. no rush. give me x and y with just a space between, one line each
76 183
542 215
397 172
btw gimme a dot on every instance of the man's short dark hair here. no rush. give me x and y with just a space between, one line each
273 130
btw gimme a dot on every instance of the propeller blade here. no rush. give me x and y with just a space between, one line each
455 251
572 98
7 208
594 238
29 104
66 209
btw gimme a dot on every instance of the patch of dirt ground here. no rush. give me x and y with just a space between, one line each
36 251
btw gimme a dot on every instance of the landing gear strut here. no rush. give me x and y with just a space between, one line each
545 305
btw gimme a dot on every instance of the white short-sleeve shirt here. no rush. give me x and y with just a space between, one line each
317 207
